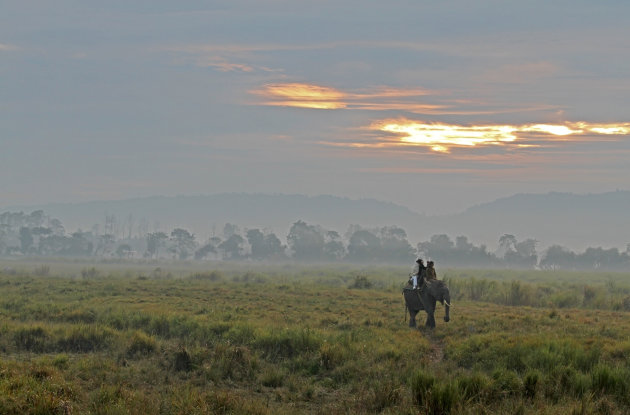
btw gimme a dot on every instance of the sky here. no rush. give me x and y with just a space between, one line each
434 105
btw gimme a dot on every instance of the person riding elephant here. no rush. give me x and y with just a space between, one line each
431 274
426 299
417 274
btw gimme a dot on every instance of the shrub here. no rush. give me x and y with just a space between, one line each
331 355
531 381
473 387
611 381
287 343
42 270
32 339
272 377
141 344
421 385
182 361
507 381
233 362
208 276
379 396
361 282
83 339
90 273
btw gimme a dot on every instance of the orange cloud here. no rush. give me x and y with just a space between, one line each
303 95
382 98
442 137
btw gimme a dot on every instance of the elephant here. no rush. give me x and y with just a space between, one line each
425 299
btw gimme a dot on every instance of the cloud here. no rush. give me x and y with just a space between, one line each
304 95
444 137
381 98
223 65
5 47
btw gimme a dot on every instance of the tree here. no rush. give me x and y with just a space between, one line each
233 248
394 245
184 242
56 227
256 241
439 248
105 244
557 257
600 258
155 241
364 246
518 254
79 244
229 229
333 247
124 251
211 247
507 243
306 241
274 247
26 240
462 253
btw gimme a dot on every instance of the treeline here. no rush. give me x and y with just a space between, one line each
37 234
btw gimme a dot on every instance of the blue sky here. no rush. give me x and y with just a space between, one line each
433 105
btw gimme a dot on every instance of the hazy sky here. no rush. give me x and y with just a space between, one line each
436 105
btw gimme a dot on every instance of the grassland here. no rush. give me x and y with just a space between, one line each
183 338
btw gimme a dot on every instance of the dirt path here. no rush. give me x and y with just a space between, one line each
436 354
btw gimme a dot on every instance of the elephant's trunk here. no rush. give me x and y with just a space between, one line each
447 306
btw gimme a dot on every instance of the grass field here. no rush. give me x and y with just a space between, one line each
184 338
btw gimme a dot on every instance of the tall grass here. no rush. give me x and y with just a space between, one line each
263 340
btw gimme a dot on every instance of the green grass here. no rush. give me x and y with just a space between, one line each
182 338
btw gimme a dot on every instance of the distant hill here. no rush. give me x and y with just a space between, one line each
572 220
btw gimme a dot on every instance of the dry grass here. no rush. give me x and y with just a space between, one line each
300 340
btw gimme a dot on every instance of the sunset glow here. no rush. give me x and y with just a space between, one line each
441 137
302 96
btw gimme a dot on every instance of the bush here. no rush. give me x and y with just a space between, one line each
141 344
331 355
287 343
361 282
531 383
272 377
421 385
182 361
507 381
233 362
473 387
84 339
32 339
213 276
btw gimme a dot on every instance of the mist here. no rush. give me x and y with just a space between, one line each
550 231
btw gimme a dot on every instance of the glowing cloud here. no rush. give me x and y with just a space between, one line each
441 137
304 95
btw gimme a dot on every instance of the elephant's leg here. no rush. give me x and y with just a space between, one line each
430 314
412 318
